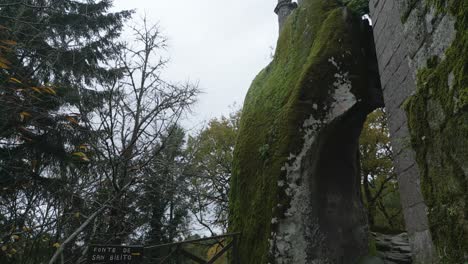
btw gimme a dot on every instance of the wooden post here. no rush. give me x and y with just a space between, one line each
178 255
235 249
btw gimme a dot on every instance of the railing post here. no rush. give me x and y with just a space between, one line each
178 255
235 249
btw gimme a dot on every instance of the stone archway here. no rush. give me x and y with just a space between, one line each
302 118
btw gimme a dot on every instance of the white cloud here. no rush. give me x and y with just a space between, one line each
222 44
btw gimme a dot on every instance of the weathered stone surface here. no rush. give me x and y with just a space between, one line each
393 249
416 217
410 192
436 111
427 123
283 10
398 83
419 245
296 185
438 131
371 260
427 34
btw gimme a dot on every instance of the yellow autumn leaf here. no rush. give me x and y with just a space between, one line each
36 89
72 120
4 66
5 48
56 245
213 251
4 248
4 63
24 114
81 155
49 90
77 215
2 59
9 42
83 147
15 237
13 251
15 80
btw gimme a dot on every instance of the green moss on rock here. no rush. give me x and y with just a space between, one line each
359 7
295 86
438 121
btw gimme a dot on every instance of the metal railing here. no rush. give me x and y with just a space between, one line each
196 251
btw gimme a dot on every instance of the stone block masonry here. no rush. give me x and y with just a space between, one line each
398 83
407 34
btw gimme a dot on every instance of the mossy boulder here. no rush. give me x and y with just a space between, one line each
438 122
295 185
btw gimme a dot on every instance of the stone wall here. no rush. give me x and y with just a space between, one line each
407 34
398 84
437 35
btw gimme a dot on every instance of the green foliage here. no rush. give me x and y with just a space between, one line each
48 51
372 246
66 41
56 47
359 7
165 192
263 151
438 119
24 104
210 156
380 188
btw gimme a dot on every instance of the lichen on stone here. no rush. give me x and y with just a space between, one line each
438 122
315 78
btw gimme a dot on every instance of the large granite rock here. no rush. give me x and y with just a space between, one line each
422 49
296 187
438 120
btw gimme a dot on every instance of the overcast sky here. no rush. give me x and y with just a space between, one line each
220 44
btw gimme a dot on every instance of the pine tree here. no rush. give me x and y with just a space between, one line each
59 48
50 52
63 41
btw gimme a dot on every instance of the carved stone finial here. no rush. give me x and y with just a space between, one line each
283 9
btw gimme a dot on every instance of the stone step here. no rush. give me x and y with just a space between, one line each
393 249
398 257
